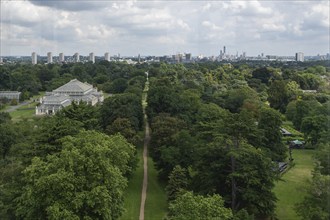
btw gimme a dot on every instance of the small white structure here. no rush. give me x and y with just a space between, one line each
66 94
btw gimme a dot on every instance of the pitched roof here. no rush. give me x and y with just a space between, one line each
297 142
74 86
56 98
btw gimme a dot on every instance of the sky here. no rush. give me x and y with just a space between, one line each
164 27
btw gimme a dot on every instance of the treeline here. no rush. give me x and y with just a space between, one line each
216 131
111 77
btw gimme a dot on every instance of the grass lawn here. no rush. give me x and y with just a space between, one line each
133 193
289 190
24 112
156 203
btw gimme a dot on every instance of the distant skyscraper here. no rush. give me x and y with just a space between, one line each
188 56
34 58
107 56
300 57
76 57
92 57
49 57
224 49
61 57
139 58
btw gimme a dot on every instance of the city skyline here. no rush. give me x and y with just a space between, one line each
159 28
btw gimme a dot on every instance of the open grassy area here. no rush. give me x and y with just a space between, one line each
156 203
24 112
133 193
289 190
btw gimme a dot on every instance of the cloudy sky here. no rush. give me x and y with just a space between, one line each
164 27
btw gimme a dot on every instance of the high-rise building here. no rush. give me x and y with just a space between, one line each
49 57
300 57
61 57
107 56
91 57
188 56
34 58
76 57
224 49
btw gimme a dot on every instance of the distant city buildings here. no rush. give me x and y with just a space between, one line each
92 57
224 56
49 57
61 58
34 58
300 57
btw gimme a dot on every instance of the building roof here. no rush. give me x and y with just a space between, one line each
297 142
74 86
285 132
10 92
56 99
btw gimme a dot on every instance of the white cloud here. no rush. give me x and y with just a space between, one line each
159 27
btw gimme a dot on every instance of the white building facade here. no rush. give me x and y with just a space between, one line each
61 57
66 94
34 58
300 57
107 56
10 95
92 57
49 57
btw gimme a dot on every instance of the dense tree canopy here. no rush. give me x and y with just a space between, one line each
215 129
196 207
84 181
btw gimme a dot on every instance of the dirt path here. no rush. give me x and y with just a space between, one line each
15 107
145 157
145 172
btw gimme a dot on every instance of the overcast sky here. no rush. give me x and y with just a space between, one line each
164 27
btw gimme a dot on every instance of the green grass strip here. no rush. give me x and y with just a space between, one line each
289 191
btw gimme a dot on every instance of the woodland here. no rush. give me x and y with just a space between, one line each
216 139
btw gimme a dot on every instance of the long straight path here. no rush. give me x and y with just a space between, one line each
145 153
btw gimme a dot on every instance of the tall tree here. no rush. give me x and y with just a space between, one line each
177 182
315 204
270 123
195 207
84 181
278 95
